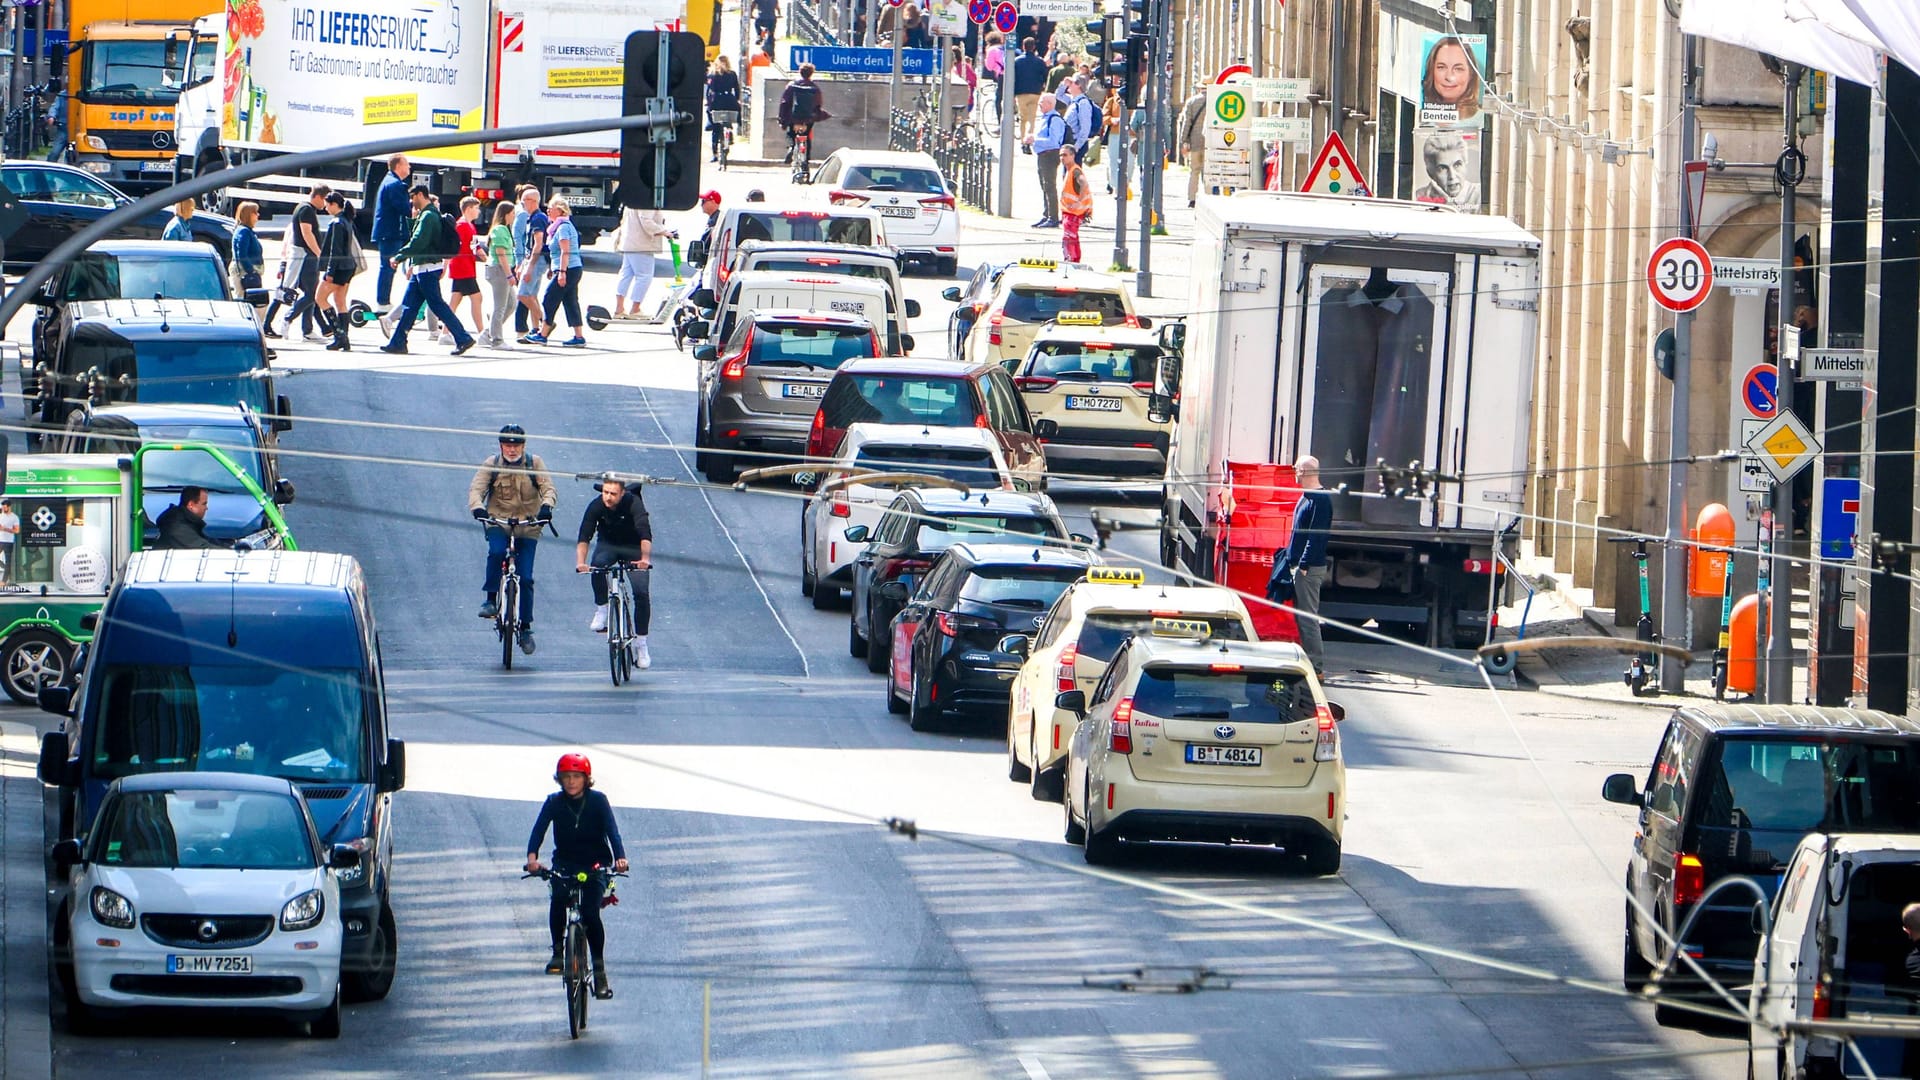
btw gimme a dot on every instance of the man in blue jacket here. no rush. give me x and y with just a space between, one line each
392 223
1029 81
1302 565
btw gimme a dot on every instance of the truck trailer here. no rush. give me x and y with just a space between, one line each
1360 331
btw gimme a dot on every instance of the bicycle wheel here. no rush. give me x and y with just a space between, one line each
575 979
626 637
616 630
509 608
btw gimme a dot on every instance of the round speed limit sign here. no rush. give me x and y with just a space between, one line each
1680 274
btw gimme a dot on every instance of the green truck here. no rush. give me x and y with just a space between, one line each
68 522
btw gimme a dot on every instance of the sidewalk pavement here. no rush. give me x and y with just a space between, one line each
26 1048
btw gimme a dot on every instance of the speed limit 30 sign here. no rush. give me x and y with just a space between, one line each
1680 274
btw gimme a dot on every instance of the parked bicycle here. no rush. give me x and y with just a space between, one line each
506 620
620 621
576 970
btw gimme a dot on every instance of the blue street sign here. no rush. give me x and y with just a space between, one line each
849 60
1839 516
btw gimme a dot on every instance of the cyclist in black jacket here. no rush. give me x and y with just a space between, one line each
585 836
624 534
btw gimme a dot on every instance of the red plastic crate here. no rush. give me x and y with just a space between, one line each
1249 577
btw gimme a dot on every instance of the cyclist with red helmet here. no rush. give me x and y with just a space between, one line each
585 836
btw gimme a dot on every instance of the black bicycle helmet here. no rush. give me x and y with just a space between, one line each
514 434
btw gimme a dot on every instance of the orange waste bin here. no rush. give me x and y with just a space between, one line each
1743 647
1712 529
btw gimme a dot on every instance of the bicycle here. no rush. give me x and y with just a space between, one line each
800 151
505 620
620 633
575 969
726 118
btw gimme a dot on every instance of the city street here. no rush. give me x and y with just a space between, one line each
773 925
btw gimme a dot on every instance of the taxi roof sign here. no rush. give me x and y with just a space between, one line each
1115 575
1191 629
1079 318
1032 263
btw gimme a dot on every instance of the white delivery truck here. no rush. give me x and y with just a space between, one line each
1356 330
290 77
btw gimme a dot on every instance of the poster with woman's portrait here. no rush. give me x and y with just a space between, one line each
1447 168
1450 83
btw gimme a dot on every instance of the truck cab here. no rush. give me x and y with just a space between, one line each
123 82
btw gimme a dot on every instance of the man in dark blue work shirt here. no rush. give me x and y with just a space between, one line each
1302 567
1029 82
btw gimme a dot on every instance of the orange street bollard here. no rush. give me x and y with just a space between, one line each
1743 647
1713 529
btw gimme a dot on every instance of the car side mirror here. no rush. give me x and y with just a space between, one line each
906 343
282 413
705 352
697 252
65 854
393 775
951 294
1045 429
1338 710
343 857
1757 918
701 297
913 308
1073 701
54 755
1014 645
282 491
1145 322
892 590
57 700
1080 538
256 297
1173 336
1619 788
697 328
90 622
856 534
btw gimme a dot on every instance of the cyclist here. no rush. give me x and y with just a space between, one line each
800 106
586 836
512 485
624 534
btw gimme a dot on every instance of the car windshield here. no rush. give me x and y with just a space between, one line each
131 71
1101 635
1249 697
97 276
1789 787
300 725
893 178
901 399
804 345
205 830
171 470
941 533
811 225
173 371
69 187
1039 303
1090 361
962 465
1024 585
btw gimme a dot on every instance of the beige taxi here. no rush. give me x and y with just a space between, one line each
1190 738
1034 292
1087 387
1071 648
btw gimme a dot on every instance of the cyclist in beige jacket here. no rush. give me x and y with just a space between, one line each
512 485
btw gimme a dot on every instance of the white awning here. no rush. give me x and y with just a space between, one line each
1803 31
1896 23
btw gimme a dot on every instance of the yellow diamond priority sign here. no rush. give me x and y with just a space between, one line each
1784 446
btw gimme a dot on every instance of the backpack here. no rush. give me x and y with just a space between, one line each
446 240
806 103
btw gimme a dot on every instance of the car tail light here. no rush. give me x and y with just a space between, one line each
943 202
817 435
954 625
1121 740
1223 667
874 340
1063 673
1039 383
1132 321
1326 741
1689 879
841 507
1822 1000
847 198
993 327
736 368
1144 387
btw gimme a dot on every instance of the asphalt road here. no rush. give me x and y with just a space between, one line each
752 763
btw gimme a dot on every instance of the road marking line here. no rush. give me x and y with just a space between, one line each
1034 1069
806 669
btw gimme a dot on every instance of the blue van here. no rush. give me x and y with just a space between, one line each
263 662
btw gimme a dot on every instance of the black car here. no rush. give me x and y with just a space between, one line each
951 640
917 526
60 200
123 269
247 437
1732 791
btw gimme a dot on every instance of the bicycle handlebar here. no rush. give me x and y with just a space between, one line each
608 568
514 523
625 478
579 876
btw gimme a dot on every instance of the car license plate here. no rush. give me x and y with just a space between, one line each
1222 755
803 390
156 166
209 965
1096 404
900 211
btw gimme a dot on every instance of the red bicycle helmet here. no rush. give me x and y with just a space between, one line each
571 762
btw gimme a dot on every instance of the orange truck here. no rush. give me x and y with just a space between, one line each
124 74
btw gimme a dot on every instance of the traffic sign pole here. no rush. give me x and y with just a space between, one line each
1780 641
1009 117
1675 610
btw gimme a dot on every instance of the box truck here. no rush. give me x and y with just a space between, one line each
123 80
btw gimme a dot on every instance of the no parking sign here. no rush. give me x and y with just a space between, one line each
1760 391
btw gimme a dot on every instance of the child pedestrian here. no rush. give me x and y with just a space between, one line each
463 270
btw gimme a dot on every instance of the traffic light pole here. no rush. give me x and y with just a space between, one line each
1673 564
70 249
1009 119
1153 156
1779 681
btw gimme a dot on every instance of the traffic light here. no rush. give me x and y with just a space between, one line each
1136 68
660 167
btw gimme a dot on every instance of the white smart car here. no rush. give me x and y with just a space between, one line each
202 889
963 456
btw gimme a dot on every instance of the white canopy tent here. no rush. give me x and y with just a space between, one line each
1845 38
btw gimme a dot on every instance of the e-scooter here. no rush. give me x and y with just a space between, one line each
1640 669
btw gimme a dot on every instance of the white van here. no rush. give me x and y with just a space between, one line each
784 223
760 290
1837 953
